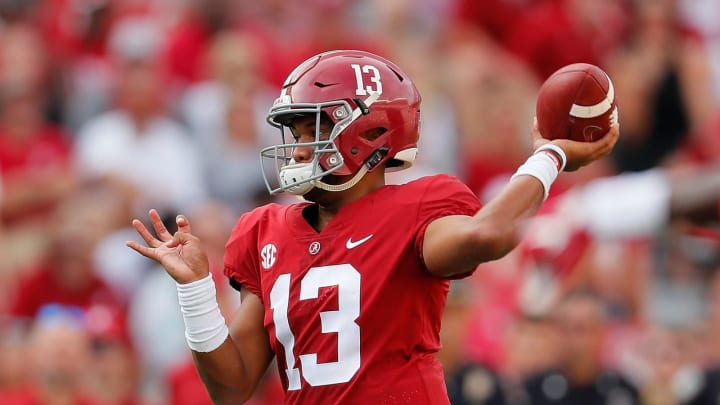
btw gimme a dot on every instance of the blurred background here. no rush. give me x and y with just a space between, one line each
111 107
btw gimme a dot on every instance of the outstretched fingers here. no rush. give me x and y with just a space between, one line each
159 226
153 242
183 234
183 224
145 234
163 238
143 250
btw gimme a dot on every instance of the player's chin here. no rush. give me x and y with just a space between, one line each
318 195
314 195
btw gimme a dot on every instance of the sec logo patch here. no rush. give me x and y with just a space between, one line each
268 254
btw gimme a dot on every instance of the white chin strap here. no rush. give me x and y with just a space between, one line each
340 187
294 179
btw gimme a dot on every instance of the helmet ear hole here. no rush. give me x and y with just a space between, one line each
373 134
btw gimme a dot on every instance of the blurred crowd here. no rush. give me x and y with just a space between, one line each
111 107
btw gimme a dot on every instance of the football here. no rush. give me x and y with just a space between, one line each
576 102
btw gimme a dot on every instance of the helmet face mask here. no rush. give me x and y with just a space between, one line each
299 178
358 92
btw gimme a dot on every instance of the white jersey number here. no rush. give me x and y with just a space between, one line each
342 321
362 89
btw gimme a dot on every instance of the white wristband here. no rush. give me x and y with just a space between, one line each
205 328
543 166
558 151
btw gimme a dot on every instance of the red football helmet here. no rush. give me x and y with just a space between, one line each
358 92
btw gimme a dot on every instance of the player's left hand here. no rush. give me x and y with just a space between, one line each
580 154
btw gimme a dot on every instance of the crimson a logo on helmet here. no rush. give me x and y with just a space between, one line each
268 254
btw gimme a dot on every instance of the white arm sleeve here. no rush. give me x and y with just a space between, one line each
628 205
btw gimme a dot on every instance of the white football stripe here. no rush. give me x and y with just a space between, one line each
592 111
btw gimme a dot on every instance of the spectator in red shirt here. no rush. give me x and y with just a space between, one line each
112 373
493 17
68 276
663 75
190 38
555 33
35 168
34 154
58 349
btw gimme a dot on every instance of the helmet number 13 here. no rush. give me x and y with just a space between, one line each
372 73
342 322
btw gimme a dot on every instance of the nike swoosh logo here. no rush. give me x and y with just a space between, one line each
350 244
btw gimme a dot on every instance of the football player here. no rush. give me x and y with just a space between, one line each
346 289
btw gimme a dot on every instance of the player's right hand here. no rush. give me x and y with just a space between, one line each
181 254
580 154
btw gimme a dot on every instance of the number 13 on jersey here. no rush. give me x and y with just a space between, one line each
342 322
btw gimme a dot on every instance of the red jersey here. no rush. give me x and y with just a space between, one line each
47 152
352 313
41 288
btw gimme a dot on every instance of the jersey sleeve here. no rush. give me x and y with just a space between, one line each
444 195
240 262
